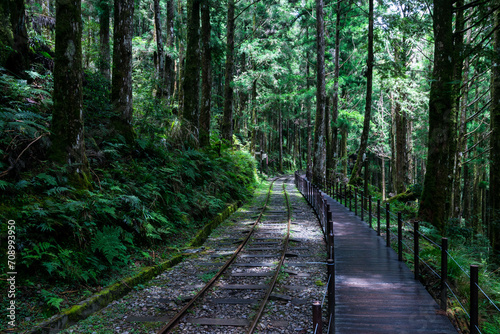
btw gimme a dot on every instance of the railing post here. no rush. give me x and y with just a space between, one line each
362 198
317 322
329 218
331 286
388 224
416 249
370 211
474 299
378 217
400 237
356 201
444 274
349 196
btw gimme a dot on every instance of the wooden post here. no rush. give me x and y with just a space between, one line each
378 217
400 237
444 273
317 322
388 225
474 299
416 249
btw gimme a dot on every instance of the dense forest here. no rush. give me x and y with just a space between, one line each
126 125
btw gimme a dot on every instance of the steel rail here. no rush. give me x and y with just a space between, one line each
270 289
173 322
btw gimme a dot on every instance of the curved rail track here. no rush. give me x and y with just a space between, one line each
268 226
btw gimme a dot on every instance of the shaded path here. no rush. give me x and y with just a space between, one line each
375 293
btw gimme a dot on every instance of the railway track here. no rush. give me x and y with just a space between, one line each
247 279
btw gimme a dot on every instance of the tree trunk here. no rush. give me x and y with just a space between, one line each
206 75
18 60
280 134
68 146
253 139
227 119
495 141
160 70
104 49
181 61
436 195
328 135
368 106
191 111
169 75
343 149
121 90
309 116
335 99
319 165
402 169
392 137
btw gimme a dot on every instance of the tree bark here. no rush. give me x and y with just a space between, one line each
104 49
335 99
368 106
160 70
121 90
191 111
436 194
68 146
227 119
169 75
18 60
319 165
206 75
495 141
309 116
253 138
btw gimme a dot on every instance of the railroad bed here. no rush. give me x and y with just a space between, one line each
234 301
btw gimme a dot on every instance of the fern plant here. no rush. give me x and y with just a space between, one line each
109 244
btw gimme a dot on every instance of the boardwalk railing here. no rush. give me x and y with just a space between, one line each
316 198
401 238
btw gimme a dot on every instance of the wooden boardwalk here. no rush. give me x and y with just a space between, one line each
375 293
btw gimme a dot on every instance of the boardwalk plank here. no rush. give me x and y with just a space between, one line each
375 293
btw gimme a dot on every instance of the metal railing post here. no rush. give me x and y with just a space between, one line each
444 274
388 224
416 249
331 286
474 300
356 201
400 237
362 205
378 217
370 211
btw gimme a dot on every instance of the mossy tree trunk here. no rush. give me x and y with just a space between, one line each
121 88
191 84
335 98
495 141
18 60
160 69
169 75
356 170
206 75
227 118
68 146
436 194
319 163
104 49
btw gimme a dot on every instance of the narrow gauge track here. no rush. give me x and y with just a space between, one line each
262 229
